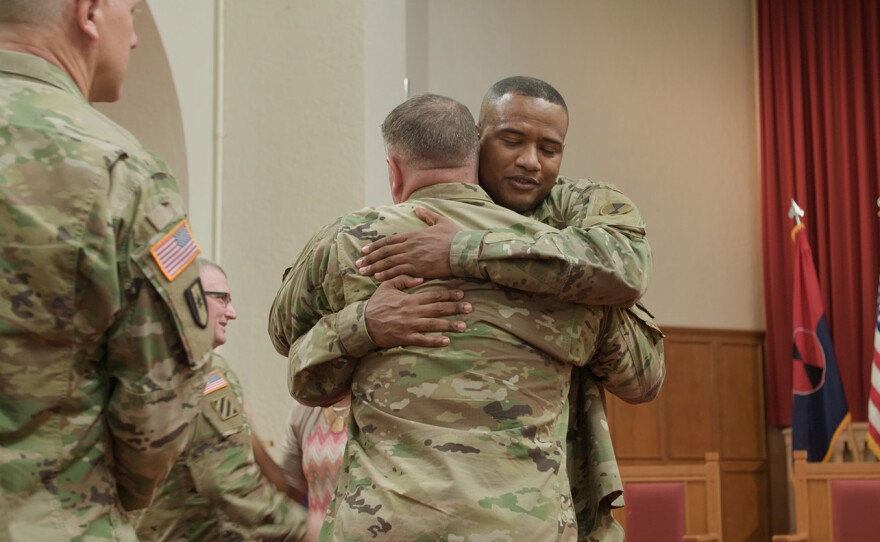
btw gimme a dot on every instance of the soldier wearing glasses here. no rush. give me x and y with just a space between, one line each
216 490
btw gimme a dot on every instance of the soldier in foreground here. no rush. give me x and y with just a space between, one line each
102 316
216 490
467 440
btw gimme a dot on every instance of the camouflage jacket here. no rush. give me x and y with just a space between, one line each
215 490
102 334
482 387
629 362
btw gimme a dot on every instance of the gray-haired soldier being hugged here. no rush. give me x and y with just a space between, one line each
103 323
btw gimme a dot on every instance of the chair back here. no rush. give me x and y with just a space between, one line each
836 501
664 503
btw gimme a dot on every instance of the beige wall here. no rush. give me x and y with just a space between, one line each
149 107
293 160
662 100
662 103
187 30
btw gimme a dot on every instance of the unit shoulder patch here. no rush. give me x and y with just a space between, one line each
615 209
195 300
225 406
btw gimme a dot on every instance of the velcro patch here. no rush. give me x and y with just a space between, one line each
195 300
174 252
225 407
161 216
215 382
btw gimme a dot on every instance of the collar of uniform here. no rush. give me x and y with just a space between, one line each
34 67
456 191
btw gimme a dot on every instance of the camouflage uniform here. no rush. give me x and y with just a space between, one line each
215 490
102 343
600 215
630 359
485 456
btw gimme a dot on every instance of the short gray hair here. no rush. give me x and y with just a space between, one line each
32 12
432 131
205 263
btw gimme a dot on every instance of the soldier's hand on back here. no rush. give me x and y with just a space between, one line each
422 253
396 318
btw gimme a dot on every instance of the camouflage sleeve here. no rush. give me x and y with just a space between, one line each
592 465
336 335
598 256
156 349
319 365
629 359
224 471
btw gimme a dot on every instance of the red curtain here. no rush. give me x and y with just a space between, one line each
819 63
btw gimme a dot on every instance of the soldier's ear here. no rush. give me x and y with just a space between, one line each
88 13
479 130
395 177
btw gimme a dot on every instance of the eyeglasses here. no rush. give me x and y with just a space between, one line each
223 297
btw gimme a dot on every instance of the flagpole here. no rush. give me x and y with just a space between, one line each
857 452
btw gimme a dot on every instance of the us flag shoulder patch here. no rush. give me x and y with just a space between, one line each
215 382
174 252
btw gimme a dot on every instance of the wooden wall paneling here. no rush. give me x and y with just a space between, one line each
637 430
688 394
741 400
744 503
712 400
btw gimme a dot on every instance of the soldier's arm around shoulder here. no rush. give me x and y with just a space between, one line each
157 345
319 365
300 302
223 467
601 225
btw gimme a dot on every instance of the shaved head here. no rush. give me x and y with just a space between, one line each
530 87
